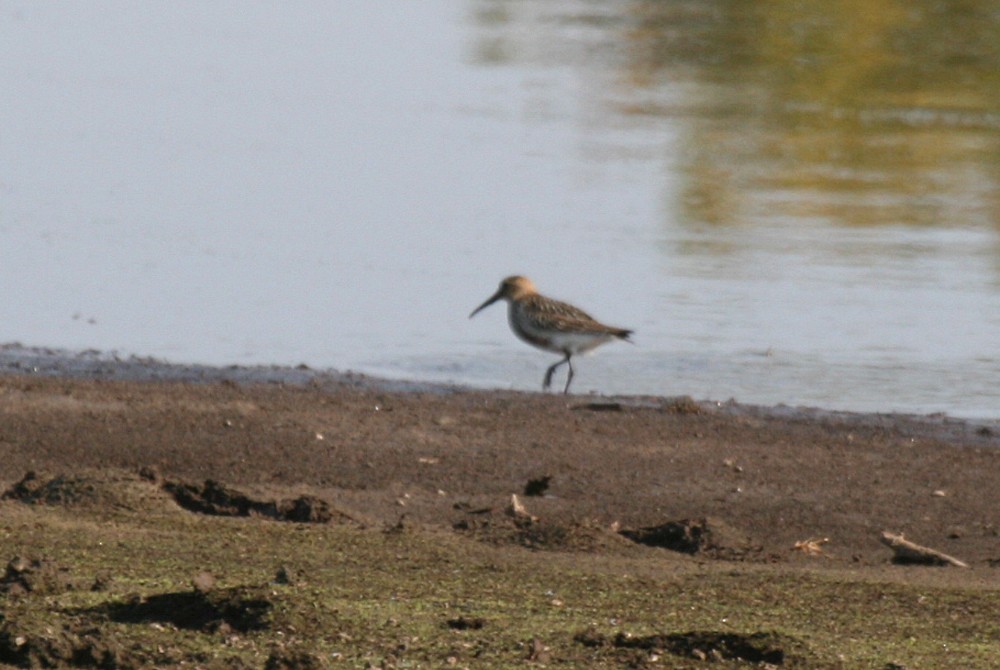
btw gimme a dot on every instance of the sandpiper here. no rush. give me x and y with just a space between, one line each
551 325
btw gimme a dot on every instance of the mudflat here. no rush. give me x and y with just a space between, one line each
341 523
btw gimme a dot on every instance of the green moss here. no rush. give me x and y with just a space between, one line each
369 596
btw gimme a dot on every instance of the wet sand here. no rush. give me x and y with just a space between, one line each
771 476
141 499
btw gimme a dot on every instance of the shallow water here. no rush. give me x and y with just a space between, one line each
790 202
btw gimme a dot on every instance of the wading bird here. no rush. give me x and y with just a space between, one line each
551 325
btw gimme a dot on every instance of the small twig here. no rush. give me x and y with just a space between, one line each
909 552
811 547
517 510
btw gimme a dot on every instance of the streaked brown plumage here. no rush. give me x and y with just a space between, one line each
550 324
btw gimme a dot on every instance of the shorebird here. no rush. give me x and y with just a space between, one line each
551 325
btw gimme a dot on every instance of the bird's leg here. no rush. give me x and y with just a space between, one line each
569 377
548 373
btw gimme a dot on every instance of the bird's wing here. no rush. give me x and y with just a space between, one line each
548 314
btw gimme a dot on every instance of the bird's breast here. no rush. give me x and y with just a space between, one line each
546 332
528 330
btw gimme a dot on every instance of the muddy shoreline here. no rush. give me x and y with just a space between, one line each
17 359
747 516
778 475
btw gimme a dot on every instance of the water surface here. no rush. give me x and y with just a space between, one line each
791 202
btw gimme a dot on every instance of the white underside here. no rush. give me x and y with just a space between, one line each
578 343
559 342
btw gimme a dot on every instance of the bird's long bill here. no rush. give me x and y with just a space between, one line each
496 296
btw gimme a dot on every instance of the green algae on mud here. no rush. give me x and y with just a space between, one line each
231 525
346 595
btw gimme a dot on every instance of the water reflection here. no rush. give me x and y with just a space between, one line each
789 201
831 178
847 113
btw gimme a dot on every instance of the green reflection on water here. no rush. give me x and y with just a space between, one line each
851 112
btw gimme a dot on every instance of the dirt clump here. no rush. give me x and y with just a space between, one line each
466 623
763 648
283 659
144 491
240 608
105 490
35 576
79 645
58 490
537 486
709 537
219 500
498 526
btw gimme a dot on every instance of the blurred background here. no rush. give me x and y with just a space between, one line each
790 202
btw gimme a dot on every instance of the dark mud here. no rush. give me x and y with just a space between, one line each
195 517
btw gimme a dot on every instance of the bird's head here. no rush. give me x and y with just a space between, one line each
511 288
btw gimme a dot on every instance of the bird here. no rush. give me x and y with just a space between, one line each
550 324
